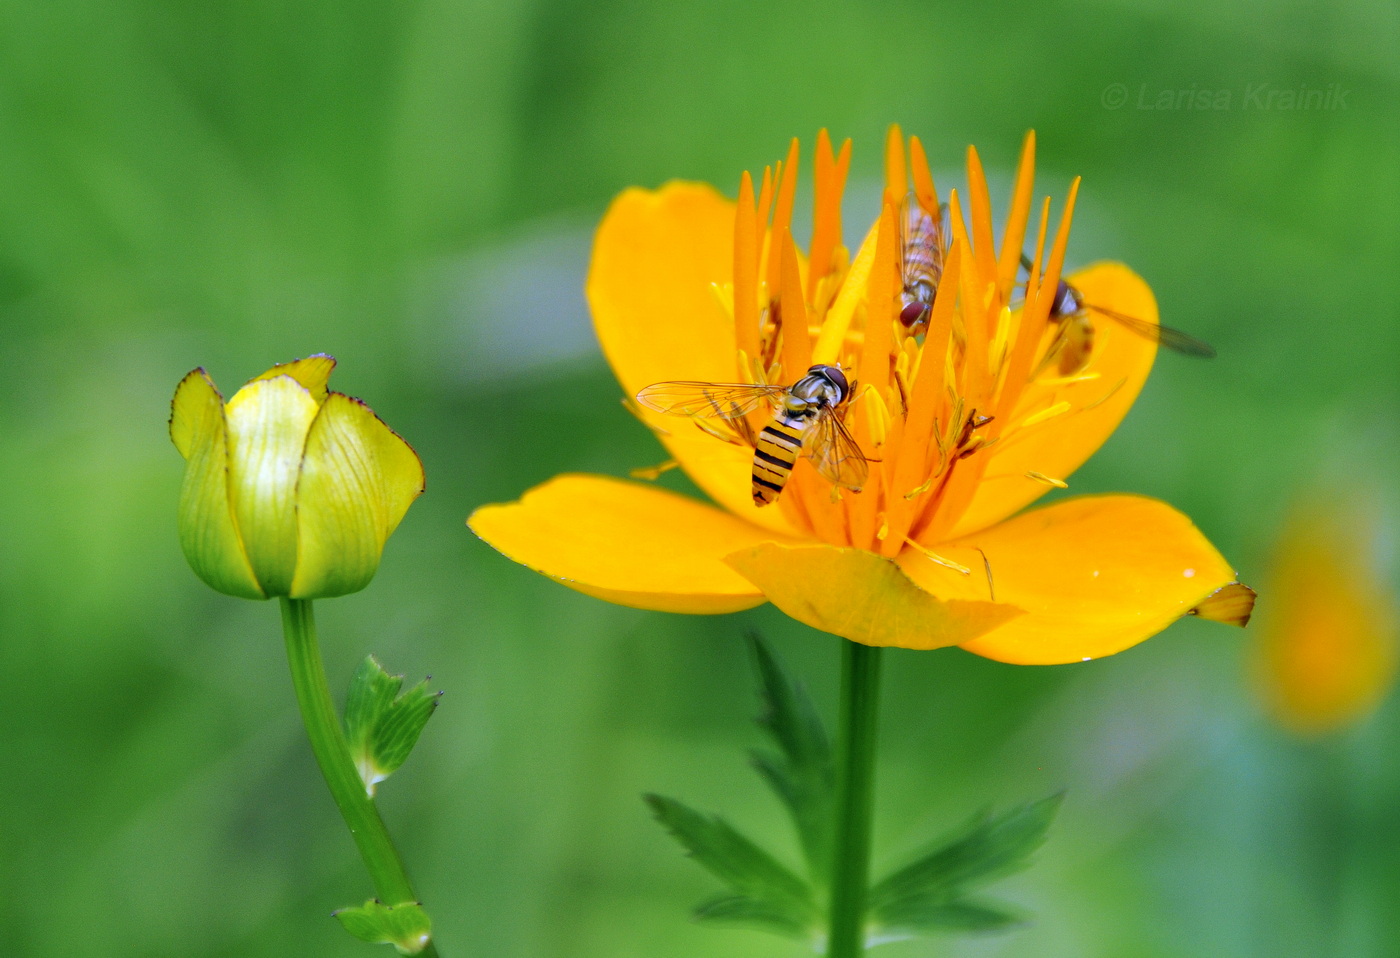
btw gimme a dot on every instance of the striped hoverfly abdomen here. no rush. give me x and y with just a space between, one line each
804 419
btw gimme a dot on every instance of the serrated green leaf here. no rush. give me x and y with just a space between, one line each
801 773
763 886
372 690
928 894
400 725
382 726
406 926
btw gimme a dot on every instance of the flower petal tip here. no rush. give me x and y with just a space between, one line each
313 372
188 407
1232 604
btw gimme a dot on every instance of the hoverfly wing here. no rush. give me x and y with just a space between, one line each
835 454
924 234
1173 339
708 400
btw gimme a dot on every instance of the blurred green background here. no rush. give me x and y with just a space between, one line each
412 187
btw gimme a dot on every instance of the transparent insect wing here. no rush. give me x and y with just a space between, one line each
835 454
908 209
921 241
709 400
1173 339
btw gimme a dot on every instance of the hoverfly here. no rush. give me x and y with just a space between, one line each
804 419
923 244
1075 342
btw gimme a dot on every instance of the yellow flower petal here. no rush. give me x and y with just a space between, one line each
208 534
862 597
357 481
313 372
1096 575
625 542
1060 445
268 420
190 418
656 260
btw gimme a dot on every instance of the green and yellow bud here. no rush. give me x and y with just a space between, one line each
290 489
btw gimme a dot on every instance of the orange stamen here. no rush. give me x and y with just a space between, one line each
826 228
1023 352
746 274
874 366
1033 320
973 312
797 341
896 179
782 213
1014 238
980 206
922 175
926 396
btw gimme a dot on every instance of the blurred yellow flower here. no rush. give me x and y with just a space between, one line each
290 490
964 417
1327 649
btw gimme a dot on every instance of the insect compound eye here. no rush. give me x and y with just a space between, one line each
913 314
836 377
1065 303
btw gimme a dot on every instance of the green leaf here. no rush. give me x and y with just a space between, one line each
927 895
406 926
767 894
964 915
381 724
801 773
741 911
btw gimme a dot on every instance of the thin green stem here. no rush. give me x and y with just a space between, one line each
332 752
855 797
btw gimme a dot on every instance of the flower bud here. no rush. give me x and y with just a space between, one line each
290 489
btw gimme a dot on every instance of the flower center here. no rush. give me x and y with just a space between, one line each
949 343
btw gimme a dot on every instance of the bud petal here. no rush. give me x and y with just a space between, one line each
313 372
268 421
357 481
208 534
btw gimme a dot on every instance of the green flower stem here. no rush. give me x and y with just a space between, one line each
323 728
855 797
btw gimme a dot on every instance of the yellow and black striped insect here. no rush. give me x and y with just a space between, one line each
804 420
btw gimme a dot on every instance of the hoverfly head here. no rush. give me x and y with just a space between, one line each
913 313
835 379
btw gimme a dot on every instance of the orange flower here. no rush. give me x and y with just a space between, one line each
965 425
1327 655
